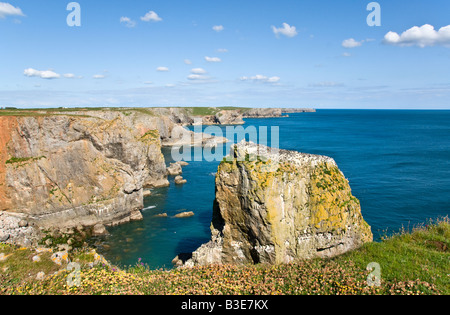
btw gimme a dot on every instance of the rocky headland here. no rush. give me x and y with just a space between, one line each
65 168
276 206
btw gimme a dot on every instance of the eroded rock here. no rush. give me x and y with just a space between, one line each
276 206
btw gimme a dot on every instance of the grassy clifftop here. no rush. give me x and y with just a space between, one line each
413 262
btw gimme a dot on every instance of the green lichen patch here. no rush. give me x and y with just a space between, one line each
18 160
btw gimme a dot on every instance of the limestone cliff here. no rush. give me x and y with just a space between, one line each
68 170
276 206
69 167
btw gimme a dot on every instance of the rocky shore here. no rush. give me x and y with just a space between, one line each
83 167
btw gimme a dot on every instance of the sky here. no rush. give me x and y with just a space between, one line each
265 53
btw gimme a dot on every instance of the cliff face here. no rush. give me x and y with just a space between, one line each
68 167
59 170
278 206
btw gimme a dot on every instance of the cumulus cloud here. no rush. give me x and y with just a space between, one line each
218 28
48 74
162 69
98 76
151 16
187 61
194 77
198 71
8 9
422 36
222 50
213 59
351 43
286 30
261 79
128 22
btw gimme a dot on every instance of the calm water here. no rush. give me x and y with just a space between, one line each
397 162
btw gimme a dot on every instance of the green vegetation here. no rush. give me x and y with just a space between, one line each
208 111
127 111
15 160
421 254
413 262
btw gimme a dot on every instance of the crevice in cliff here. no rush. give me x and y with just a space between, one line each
323 249
54 183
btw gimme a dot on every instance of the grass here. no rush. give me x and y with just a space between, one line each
423 253
77 111
412 262
14 160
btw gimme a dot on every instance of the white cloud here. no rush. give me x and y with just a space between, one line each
151 16
187 61
326 84
218 28
222 50
128 22
7 9
262 79
194 77
422 36
213 59
198 71
351 43
162 69
71 76
346 54
98 76
286 30
48 74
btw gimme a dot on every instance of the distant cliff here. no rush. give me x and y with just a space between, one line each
278 206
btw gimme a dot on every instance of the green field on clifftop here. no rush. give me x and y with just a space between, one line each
411 262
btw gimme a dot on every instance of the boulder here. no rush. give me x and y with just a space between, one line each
179 180
99 229
147 193
174 169
60 257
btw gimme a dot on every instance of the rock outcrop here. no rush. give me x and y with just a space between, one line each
276 206
82 167
69 170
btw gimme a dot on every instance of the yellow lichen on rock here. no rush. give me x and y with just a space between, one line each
279 207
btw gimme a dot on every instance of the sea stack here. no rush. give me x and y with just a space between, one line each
277 206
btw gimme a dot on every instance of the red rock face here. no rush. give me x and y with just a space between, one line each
7 125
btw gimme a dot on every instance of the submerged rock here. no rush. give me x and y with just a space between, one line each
185 214
276 206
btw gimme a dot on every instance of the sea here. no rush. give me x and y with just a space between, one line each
397 163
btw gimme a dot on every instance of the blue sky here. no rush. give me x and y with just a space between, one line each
293 53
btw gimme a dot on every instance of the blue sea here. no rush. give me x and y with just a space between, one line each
397 163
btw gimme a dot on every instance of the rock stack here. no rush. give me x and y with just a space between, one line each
276 206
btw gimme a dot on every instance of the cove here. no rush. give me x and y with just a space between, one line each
397 162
